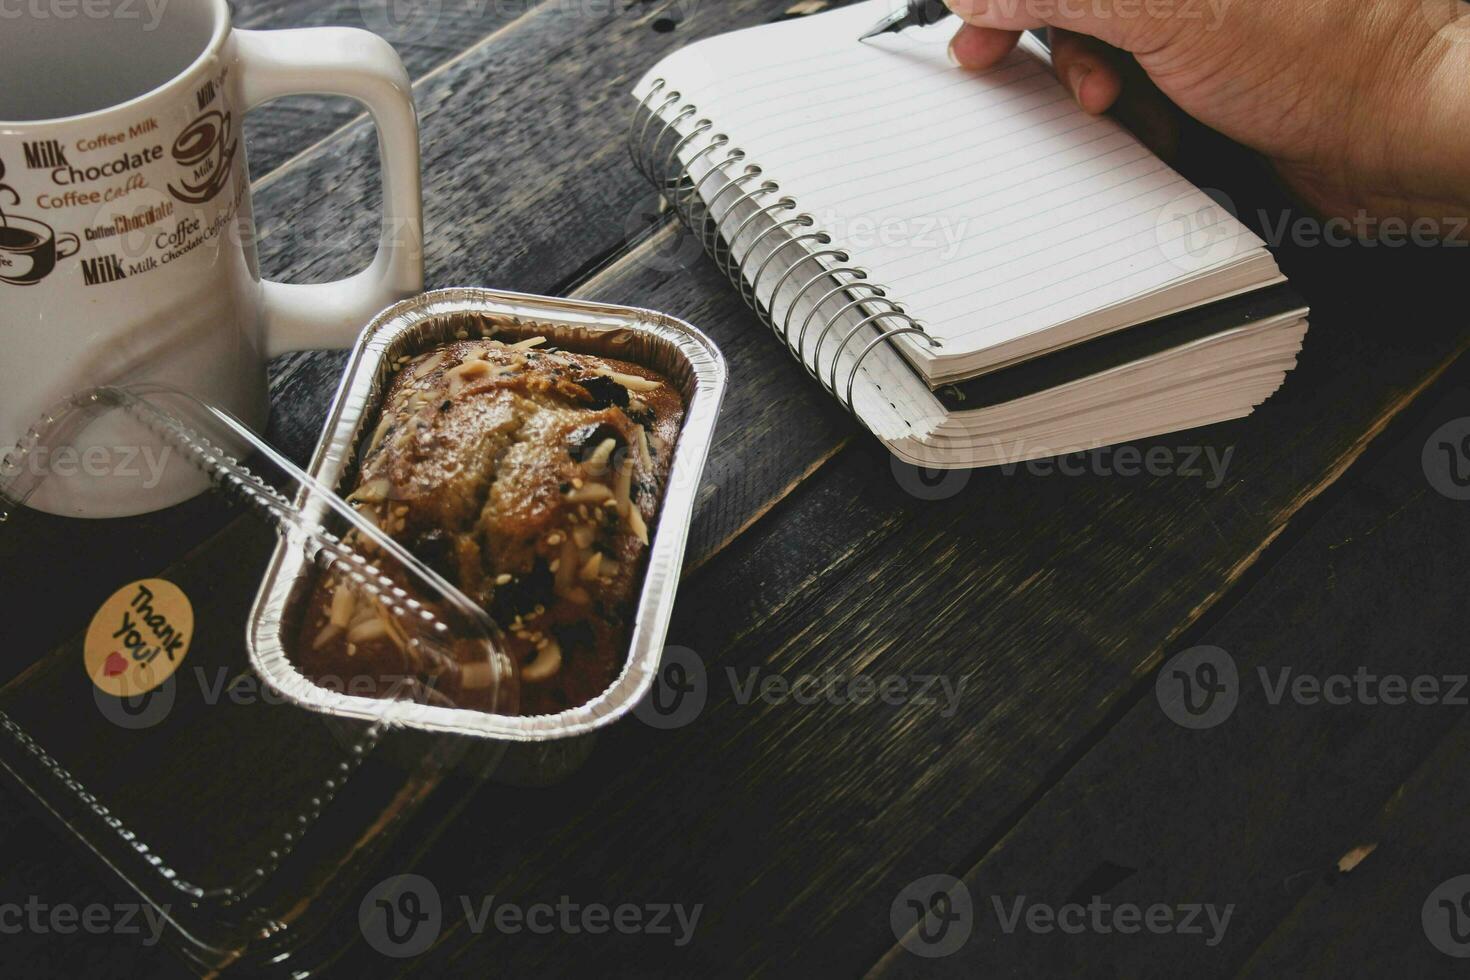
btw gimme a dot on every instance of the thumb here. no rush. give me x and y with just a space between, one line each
1139 28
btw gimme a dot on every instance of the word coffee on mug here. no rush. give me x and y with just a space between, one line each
127 236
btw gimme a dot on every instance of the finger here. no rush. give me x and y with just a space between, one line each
1088 68
1104 79
1121 23
981 47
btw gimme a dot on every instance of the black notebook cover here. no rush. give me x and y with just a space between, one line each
1118 348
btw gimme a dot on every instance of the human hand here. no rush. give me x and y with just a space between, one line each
1360 107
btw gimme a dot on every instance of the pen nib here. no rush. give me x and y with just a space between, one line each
893 22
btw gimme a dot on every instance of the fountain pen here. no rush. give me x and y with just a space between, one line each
918 13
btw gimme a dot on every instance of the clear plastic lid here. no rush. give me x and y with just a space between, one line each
151 736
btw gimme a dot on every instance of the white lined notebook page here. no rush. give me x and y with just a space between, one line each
990 205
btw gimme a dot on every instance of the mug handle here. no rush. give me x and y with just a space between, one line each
361 66
61 242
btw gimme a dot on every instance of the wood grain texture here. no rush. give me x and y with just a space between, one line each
42 863
546 217
151 544
303 385
527 183
1371 923
53 874
1054 598
1051 598
1257 812
800 824
425 33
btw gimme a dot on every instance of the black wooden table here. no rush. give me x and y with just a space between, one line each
1044 606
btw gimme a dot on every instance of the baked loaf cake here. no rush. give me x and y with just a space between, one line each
529 478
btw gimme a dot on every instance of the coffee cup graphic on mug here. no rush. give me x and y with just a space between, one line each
28 248
127 229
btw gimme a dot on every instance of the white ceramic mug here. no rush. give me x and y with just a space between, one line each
127 241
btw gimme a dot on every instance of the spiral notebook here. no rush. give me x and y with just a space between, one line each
981 271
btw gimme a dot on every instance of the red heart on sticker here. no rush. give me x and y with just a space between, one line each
115 664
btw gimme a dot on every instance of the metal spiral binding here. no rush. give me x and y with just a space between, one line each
837 254
860 277
726 239
735 270
656 146
715 142
752 297
896 313
710 227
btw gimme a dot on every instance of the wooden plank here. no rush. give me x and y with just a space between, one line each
1258 811
45 883
1053 597
42 864
144 546
525 184
848 803
1370 923
304 384
741 467
1387 918
543 218
426 34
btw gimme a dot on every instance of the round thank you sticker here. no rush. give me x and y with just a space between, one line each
138 638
